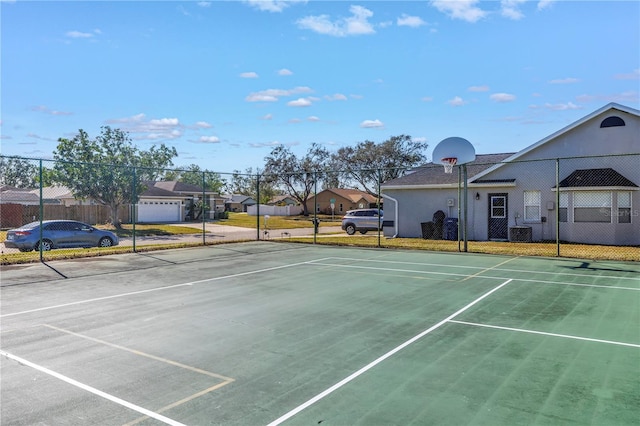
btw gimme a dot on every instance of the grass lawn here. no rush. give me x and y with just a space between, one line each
278 222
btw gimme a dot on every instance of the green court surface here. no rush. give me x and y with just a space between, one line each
273 333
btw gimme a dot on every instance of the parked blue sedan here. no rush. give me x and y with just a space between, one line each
58 234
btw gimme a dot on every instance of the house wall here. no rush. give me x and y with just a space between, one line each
587 139
323 202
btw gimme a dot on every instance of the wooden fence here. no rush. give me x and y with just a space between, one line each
15 215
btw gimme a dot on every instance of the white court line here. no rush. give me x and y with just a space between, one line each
93 390
566 336
398 270
493 268
382 358
338 265
97 299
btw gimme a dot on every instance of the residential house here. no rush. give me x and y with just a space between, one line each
581 181
340 200
238 203
283 200
174 201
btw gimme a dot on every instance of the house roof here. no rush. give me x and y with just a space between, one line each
54 192
609 107
433 174
354 195
177 186
154 191
596 178
240 199
19 196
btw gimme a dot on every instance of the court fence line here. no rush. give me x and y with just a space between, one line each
583 206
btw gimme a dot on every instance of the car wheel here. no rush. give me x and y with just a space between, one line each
105 242
364 231
351 229
46 245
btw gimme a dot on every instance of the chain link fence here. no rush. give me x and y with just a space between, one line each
581 207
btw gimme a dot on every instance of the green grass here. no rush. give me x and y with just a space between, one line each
583 251
277 222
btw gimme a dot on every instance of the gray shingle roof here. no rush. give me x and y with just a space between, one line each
433 174
595 177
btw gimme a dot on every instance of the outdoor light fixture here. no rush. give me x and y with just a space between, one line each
477 195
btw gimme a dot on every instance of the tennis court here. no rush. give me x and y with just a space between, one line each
277 333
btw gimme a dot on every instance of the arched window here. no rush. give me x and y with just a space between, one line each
612 121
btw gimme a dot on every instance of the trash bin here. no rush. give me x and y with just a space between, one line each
451 229
427 230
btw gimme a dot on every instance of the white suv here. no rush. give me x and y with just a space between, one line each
362 220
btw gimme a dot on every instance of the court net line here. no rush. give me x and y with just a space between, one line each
382 358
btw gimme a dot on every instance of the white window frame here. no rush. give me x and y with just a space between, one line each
624 201
564 204
532 206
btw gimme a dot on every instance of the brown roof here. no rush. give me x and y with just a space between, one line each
352 194
433 174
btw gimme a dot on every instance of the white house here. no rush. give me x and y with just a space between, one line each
579 184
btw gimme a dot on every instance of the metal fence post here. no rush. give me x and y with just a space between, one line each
204 223
557 207
133 207
258 206
41 211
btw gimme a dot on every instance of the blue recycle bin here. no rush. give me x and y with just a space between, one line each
451 229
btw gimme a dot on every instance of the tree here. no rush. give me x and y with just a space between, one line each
368 164
108 169
18 172
193 175
246 183
297 176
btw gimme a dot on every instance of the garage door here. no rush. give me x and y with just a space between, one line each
159 211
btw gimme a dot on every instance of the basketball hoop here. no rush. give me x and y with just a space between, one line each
448 164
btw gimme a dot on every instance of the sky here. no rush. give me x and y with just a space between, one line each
224 82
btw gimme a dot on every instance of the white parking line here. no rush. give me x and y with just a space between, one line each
93 390
382 358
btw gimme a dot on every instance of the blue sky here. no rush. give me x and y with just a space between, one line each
226 81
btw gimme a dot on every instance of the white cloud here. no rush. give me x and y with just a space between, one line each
427 98
502 97
267 117
479 88
356 24
562 107
250 74
46 110
272 5
511 9
543 4
158 128
631 97
569 80
272 95
465 10
372 124
313 118
634 75
300 102
336 97
410 21
208 139
284 71
204 3
457 101
78 34
203 125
